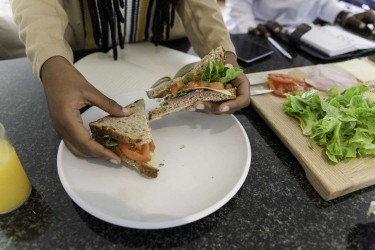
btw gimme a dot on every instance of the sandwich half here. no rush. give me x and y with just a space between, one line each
207 81
128 137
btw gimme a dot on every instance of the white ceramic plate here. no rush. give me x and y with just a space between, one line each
206 160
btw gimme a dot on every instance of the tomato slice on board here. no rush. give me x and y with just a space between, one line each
285 84
137 153
281 78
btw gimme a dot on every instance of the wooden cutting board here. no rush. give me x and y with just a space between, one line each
330 181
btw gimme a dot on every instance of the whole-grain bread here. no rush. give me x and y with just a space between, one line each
131 129
215 56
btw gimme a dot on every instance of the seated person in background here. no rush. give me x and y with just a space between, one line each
51 29
10 43
264 16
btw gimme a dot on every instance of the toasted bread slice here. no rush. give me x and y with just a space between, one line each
132 129
215 56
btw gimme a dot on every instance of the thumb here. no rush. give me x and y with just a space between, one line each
108 105
113 108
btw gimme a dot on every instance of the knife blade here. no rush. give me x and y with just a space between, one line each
260 91
258 81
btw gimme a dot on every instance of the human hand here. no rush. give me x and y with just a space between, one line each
359 21
266 29
67 91
229 107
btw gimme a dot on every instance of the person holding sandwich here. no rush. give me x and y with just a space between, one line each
53 29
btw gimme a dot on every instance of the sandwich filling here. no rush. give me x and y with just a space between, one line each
129 137
142 152
209 81
215 77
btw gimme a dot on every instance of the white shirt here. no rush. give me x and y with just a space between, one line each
240 15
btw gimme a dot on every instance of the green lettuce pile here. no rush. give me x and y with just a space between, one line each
343 124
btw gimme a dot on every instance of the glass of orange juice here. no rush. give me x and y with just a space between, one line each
15 187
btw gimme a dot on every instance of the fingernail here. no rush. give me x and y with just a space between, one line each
126 110
192 109
114 161
200 106
225 109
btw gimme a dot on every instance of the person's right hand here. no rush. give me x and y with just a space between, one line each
266 29
67 91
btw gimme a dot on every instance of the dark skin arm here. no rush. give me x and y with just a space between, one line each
67 91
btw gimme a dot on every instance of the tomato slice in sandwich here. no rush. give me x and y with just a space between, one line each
137 152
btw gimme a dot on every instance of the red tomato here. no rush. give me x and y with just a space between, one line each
173 89
180 84
137 153
216 85
285 84
193 85
152 146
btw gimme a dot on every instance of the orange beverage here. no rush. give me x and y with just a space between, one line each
15 186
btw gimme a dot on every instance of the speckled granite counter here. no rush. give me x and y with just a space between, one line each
276 208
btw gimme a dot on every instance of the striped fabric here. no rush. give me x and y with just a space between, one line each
138 21
138 13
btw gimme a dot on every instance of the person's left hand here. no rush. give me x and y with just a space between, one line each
229 107
359 21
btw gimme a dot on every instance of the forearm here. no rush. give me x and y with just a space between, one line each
204 25
54 68
42 25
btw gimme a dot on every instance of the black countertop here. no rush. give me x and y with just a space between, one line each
276 208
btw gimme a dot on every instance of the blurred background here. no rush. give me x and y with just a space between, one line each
11 46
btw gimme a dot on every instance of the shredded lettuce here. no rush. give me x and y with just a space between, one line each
343 124
217 72
220 72
110 142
